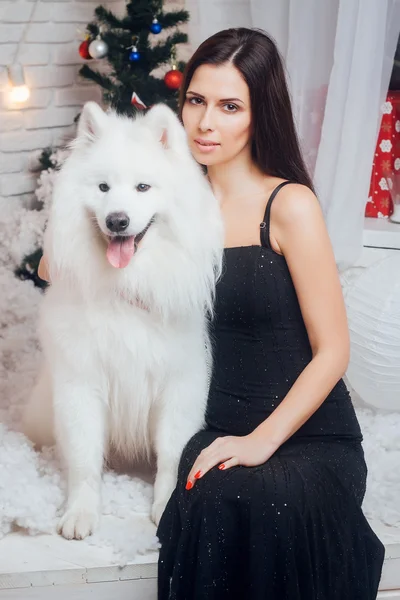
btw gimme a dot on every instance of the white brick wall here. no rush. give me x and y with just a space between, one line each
51 62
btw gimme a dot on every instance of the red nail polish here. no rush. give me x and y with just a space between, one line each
221 467
189 485
197 475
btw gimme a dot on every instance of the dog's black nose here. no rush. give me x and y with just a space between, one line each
117 222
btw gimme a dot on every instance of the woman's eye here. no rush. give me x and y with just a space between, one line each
195 101
143 187
104 187
232 107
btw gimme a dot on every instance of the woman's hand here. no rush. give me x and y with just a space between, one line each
249 451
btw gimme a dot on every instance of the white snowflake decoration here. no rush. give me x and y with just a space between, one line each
383 184
387 108
385 145
397 164
397 126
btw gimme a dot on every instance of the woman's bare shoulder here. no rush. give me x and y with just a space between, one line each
295 201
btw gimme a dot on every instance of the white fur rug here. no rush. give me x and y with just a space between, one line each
32 484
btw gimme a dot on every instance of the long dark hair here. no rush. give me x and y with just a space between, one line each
275 146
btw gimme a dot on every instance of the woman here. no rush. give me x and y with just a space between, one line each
268 500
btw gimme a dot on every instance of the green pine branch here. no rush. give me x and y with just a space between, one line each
102 80
161 53
173 18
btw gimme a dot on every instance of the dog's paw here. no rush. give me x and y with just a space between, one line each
77 523
156 511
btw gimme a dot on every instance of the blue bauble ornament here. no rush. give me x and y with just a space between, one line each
134 55
155 27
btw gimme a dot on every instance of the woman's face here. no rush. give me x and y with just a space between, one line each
216 114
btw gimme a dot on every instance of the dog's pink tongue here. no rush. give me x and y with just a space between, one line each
120 251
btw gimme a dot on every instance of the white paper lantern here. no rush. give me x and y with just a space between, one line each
373 310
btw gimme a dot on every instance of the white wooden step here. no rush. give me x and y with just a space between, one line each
45 567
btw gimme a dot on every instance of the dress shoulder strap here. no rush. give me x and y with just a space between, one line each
265 225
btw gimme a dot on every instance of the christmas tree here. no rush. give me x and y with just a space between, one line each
130 49
129 46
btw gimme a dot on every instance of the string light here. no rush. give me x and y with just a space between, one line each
19 90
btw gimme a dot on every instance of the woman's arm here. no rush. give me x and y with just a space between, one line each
43 270
301 234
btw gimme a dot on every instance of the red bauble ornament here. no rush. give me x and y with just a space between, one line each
84 49
173 79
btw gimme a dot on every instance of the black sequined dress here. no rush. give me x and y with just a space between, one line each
292 528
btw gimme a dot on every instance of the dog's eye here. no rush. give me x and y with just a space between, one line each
143 187
103 187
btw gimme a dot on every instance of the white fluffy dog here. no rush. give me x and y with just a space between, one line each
134 245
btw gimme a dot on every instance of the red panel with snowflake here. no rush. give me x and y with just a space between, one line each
387 159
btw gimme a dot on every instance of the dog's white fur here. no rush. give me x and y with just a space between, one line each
126 351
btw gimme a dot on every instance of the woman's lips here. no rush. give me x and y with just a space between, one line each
205 145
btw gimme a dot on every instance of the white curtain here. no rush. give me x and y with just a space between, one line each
339 55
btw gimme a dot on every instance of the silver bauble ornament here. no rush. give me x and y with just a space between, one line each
98 48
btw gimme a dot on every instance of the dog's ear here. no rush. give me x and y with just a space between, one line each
92 122
167 128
